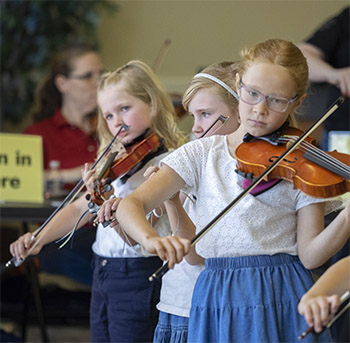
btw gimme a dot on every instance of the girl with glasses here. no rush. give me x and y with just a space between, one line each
257 255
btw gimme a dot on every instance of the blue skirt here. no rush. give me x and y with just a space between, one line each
171 329
250 299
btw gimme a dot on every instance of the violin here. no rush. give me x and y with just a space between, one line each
112 170
68 199
315 172
267 170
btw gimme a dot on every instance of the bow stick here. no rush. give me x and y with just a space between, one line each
69 198
161 54
343 298
163 269
221 118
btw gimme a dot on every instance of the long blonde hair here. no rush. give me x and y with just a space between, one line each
141 82
282 53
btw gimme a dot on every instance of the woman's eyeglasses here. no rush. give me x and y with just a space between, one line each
87 76
274 103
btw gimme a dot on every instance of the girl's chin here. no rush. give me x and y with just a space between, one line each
256 132
128 139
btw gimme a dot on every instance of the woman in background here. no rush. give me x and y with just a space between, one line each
64 111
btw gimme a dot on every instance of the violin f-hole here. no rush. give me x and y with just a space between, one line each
273 158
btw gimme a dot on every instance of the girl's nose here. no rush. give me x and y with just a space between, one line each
118 120
197 129
261 107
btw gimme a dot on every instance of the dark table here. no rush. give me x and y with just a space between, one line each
27 213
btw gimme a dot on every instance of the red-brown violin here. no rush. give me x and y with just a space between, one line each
269 163
114 169
315 172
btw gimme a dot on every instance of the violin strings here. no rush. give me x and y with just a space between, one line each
320 155
329 158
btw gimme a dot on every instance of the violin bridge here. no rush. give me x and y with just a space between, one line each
118 147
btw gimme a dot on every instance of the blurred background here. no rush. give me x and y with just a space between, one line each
177 38
200 33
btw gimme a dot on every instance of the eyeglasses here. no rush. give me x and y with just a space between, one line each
274 103
87 76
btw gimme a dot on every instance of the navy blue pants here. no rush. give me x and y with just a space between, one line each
123 300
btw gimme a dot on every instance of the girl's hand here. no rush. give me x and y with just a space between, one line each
318 311
170 248
89 177
20 247
150 171
341 78
107 211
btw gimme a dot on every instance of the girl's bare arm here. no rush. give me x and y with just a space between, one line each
317 244
133 208
62 223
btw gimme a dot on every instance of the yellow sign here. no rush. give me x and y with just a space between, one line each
21 168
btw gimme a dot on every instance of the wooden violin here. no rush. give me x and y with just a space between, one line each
111 151
115 169
275 161
315 172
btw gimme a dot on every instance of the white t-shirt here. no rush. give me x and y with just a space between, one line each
108 243
178 283
258 225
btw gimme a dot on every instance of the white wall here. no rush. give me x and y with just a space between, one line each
203 32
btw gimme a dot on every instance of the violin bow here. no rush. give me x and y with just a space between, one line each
69 198
92 208
163 269
161 54
343 298
221 118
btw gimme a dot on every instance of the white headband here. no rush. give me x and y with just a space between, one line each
221 83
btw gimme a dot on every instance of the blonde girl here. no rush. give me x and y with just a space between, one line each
213 103
123 300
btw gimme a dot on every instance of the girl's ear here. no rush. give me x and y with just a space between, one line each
300 100
61 83
238 116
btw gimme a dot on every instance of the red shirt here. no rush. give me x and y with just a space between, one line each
64 142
